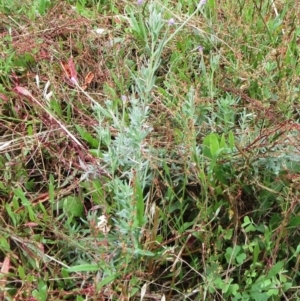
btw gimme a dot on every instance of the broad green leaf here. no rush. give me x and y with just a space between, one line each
21 272
214 144
212 164
65 273
246 221
255 252
88 267
222 142
11 214
241 258
159 238
234 289
73 206
297 251
27 205
20 194
294 222
259 296
265 283
250 228
85 135
138 251
106 281
275 269
273 292
206 147
228 234
225 288
221 175
231 253
186 226
29 130
4 245
286 286
41 293
134 290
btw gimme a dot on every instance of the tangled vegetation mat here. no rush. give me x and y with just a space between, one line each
149 150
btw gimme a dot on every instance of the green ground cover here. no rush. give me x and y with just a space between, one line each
149 150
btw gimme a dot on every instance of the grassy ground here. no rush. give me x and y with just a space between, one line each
149 150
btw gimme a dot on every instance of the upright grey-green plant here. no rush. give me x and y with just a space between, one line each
127 153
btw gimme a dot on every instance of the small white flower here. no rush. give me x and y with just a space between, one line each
202 2
102 224
74 80
37 79
99 31
200 48
171 22
102 221
47 95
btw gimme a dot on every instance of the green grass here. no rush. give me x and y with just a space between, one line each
149 152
